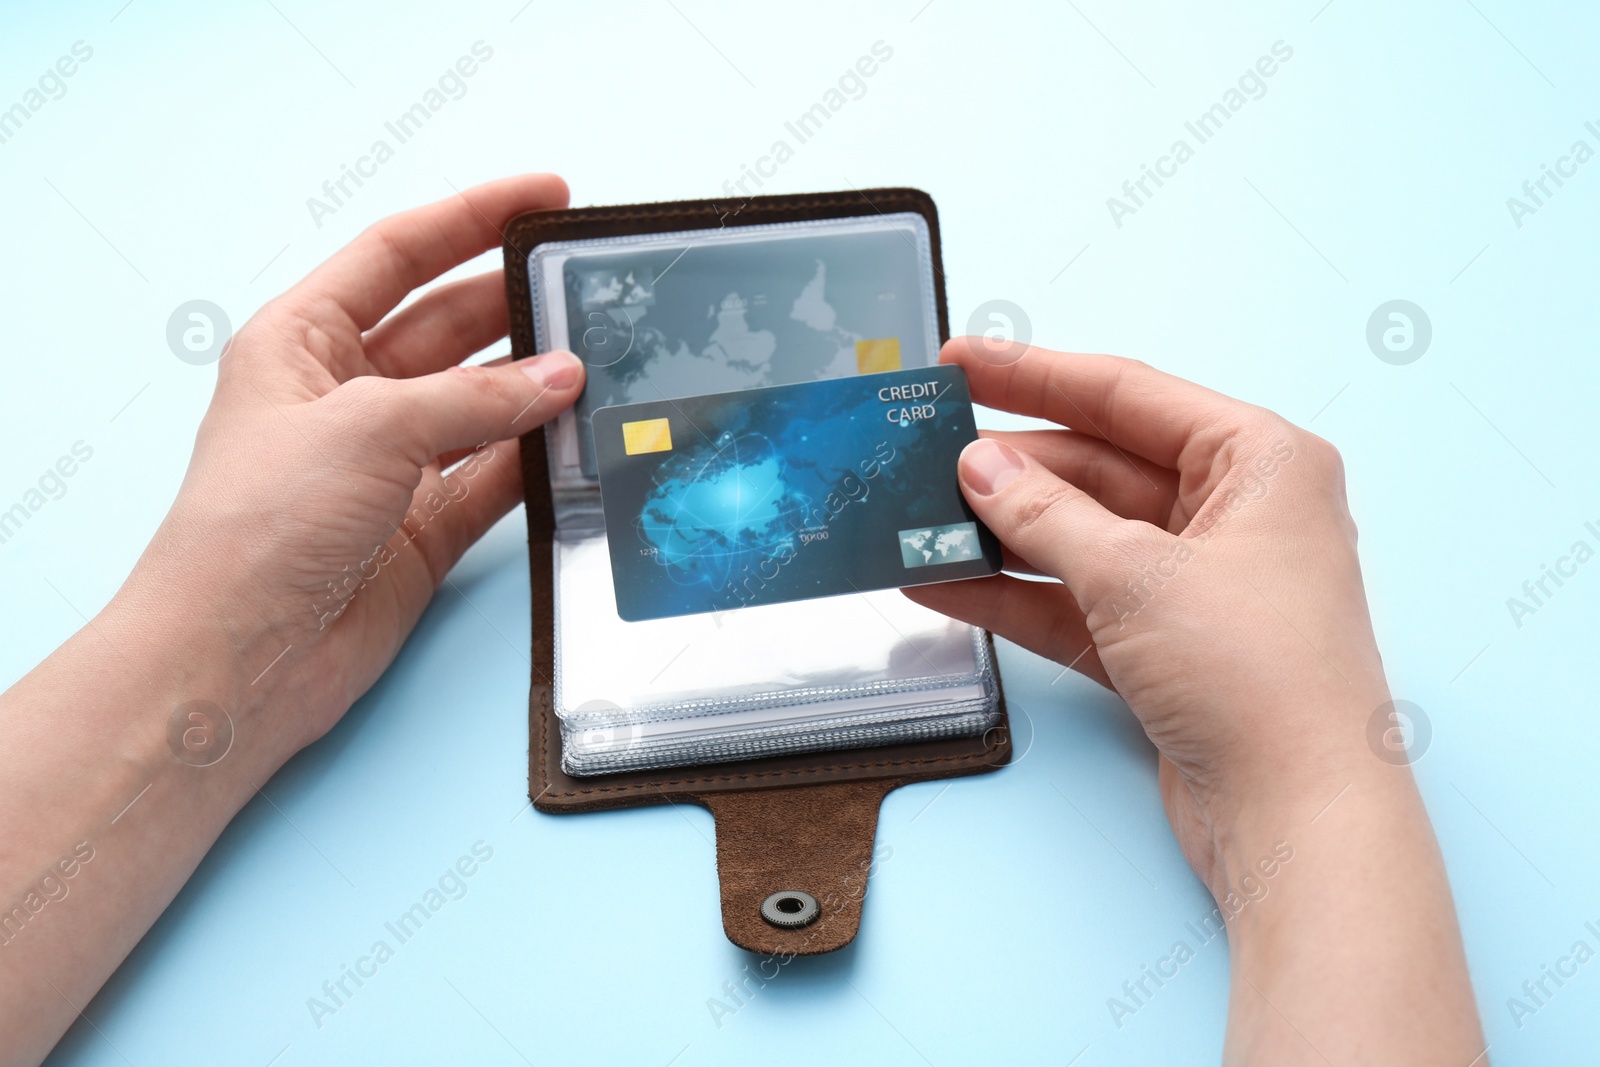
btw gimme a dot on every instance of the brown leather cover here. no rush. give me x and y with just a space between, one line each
803 822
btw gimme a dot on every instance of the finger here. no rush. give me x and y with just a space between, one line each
1015 564
1039 616
1122 401
445 460
475 496
449 458
442 328
1124 484
373 273
495 478
463 406
1051 523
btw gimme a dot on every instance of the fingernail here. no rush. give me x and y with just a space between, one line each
554 370
988 466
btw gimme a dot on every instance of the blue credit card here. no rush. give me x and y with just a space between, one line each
790 492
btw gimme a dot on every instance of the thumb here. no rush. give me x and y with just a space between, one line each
1047 521
463 407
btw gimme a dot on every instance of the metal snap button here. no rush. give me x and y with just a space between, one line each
790 909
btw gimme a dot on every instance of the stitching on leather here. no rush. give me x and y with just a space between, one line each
611 214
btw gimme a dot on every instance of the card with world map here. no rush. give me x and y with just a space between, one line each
664 316
760 496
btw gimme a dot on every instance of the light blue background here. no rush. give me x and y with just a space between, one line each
178 164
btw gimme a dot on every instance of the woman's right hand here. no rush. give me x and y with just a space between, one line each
1206 571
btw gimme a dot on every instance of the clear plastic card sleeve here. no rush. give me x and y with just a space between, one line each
679 314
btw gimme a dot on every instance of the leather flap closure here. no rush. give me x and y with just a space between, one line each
793 851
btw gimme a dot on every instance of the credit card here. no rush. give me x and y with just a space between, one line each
668 316
796 491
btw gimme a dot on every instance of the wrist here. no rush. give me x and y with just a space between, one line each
135 729
204 681
1336 930
1337 847
1333 801
1285 764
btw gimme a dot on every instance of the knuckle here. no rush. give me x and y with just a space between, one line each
1259 428
1127 373
1040 509
1257 435
366 404
1091 477
365 410
1116 382
1321 459
282 320
402 258
1123 570
1324 452
1128 542
1037 354
487 384
1125 379
1328 471
462 318
367 394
